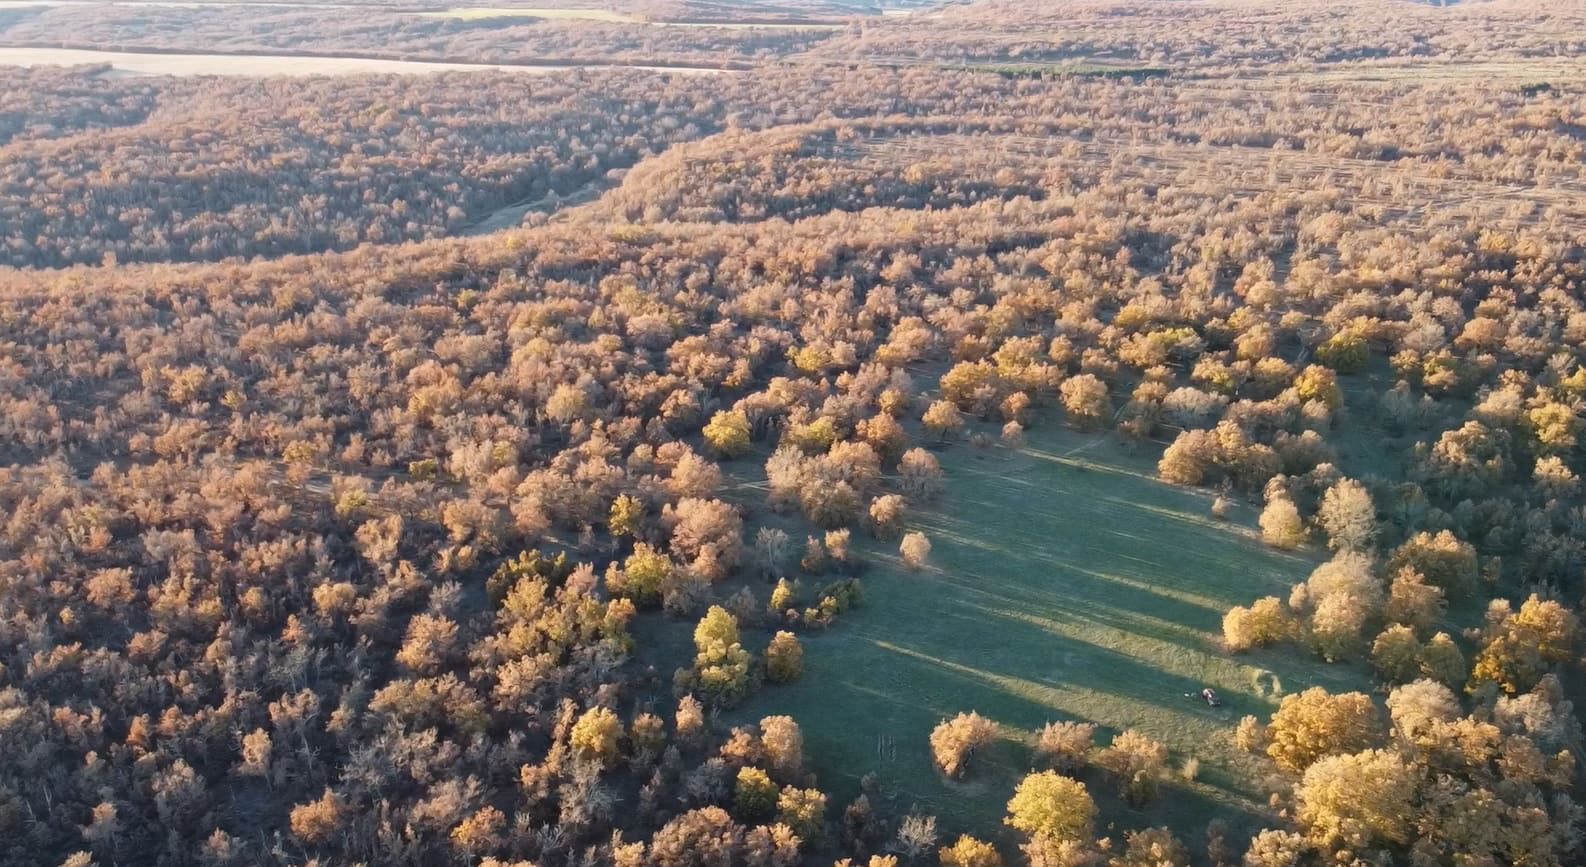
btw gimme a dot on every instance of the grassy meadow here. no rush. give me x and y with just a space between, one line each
1064 583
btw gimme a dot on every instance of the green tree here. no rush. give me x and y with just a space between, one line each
755 796
627 516
721 665
784 658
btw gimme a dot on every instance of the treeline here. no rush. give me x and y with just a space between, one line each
1225 36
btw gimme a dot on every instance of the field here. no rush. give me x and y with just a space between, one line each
1065 583
138 63
482 13
611 16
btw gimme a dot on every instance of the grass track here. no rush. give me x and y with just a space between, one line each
1065 583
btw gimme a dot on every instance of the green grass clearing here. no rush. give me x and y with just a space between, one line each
1065 583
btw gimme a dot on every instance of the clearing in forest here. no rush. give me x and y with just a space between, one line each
1065 583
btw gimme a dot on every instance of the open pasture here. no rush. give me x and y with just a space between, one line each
1065 584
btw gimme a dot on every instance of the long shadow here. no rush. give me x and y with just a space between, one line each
877 719
1059 588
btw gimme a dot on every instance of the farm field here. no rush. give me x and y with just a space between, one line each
485 13
610 16
140 63
1065 584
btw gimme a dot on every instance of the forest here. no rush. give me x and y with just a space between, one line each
928 439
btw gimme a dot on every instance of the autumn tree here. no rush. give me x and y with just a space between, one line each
1357 800
1085 398
1049 806
803 810
1348 516
1136 763
1152 847
316 822
1441 559
966 851
1316 723
1066 746
942 419
728 433
954 741
1518 647
1281 524
920 474
597 736
783 744
1264 623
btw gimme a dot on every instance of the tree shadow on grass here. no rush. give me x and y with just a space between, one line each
1058 589
876 718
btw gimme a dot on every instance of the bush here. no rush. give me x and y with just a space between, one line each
969 852
1066 746
1264 623
1136 763
914 549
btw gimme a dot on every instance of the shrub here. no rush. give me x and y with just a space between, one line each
1262 624
914 549
1137 763
1066 746
969 852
